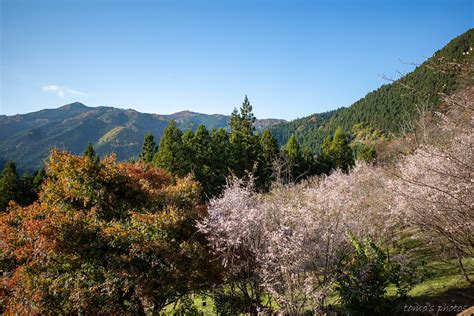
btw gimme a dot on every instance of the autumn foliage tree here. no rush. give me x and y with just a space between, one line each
103 238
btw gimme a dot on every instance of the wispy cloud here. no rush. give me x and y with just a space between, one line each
63 91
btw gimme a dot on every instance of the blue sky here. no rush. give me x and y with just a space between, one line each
292 58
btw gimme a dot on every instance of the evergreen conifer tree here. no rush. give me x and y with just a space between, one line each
203 159
340 150
149 149
171 155
309 162
269 153
294 157
90 152
245 143
270 150
9 185
38 178
336 153
220 152
189 162
243 121
325 161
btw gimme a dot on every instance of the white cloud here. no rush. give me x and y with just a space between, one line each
63 91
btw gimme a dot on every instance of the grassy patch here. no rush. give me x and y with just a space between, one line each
439 285
204 304
443 286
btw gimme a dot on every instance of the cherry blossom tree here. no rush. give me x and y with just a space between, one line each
434 187
292 241
235 231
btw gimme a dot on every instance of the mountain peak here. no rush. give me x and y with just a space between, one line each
184 113
74 106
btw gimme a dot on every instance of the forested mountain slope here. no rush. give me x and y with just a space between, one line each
388 107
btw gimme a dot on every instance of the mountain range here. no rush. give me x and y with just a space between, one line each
27 138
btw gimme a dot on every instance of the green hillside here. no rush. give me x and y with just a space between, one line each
304 128
387 107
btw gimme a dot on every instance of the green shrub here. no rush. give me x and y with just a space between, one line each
363 285
229 304
186 307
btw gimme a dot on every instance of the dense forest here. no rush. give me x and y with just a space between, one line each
346 215
388 108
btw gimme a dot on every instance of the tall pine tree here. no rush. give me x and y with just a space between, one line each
269 144
149 149
245 144
336 152
340 150
38 177
90 152
10 185
221 160
203 160
325 161
294 158
243 121
171 155
189 162
311 168
269 154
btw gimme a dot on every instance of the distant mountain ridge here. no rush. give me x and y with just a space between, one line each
27 138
